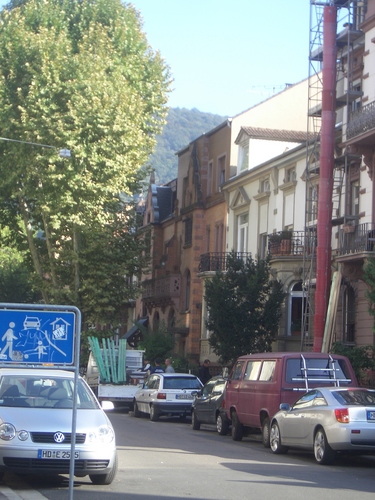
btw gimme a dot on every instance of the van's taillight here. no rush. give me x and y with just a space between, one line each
342 415
161 395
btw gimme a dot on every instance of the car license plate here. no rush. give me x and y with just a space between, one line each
371 415
184 396
56 454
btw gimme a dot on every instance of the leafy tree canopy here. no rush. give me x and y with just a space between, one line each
244 308
157 343
77 75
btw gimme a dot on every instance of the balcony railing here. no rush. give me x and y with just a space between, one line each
217 261
357 239
166 286
292 243
361 121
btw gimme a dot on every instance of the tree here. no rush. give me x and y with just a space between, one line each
79 75
158 343
244 308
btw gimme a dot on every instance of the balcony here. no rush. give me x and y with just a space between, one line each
292 243
357 239
217 261
361 121
161 291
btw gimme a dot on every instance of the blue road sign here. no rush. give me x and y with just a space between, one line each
37 337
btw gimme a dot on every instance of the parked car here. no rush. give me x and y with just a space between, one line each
327 420
166 394
36 426
258 383
208 406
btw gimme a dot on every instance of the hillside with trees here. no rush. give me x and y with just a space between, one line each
183 126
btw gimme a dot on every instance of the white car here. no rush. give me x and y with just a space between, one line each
36 409
166 394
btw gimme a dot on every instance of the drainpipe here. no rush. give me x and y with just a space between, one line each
327 143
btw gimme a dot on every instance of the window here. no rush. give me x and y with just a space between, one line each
237 370
209 178
243 156
312 203
268 369
348 314
265 186
252 370
188 231
242 232
297 302
291 175
354 198
263 245
219 237
187 290
220 171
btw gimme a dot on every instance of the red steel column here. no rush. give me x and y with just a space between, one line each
327 143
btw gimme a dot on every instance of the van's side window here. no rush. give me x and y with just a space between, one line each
252 370
268 369
237 370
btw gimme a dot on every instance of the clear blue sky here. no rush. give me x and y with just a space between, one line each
227 55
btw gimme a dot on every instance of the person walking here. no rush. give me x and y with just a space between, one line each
168 366
204 372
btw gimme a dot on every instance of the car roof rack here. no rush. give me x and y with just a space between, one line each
331 369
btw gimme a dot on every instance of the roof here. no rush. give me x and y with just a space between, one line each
134 329
276 135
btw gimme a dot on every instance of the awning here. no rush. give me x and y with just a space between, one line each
134 329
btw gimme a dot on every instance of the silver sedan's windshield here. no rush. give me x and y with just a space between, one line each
43 392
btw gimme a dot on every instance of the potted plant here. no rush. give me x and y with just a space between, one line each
286 242
274 241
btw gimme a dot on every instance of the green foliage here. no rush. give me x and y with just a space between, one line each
78 75
16 283
369 278
361 358
183 126
158 343
244 308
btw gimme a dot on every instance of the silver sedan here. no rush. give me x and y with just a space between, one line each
327 420
36 410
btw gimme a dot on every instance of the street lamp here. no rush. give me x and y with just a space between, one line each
63 153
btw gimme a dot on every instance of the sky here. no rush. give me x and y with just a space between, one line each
225 56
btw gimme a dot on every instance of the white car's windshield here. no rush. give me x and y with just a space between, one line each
43 392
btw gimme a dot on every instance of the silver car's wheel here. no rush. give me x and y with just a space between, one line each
324 454
105 478
154 417
222 425
275 440
136 411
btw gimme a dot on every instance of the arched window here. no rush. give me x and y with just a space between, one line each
295 309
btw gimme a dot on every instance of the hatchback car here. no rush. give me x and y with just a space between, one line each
326 421
166 394
209 406
36 407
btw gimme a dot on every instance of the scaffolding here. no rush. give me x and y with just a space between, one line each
348 40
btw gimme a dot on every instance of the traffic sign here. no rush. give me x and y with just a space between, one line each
37 337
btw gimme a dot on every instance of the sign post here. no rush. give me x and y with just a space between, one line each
47 336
